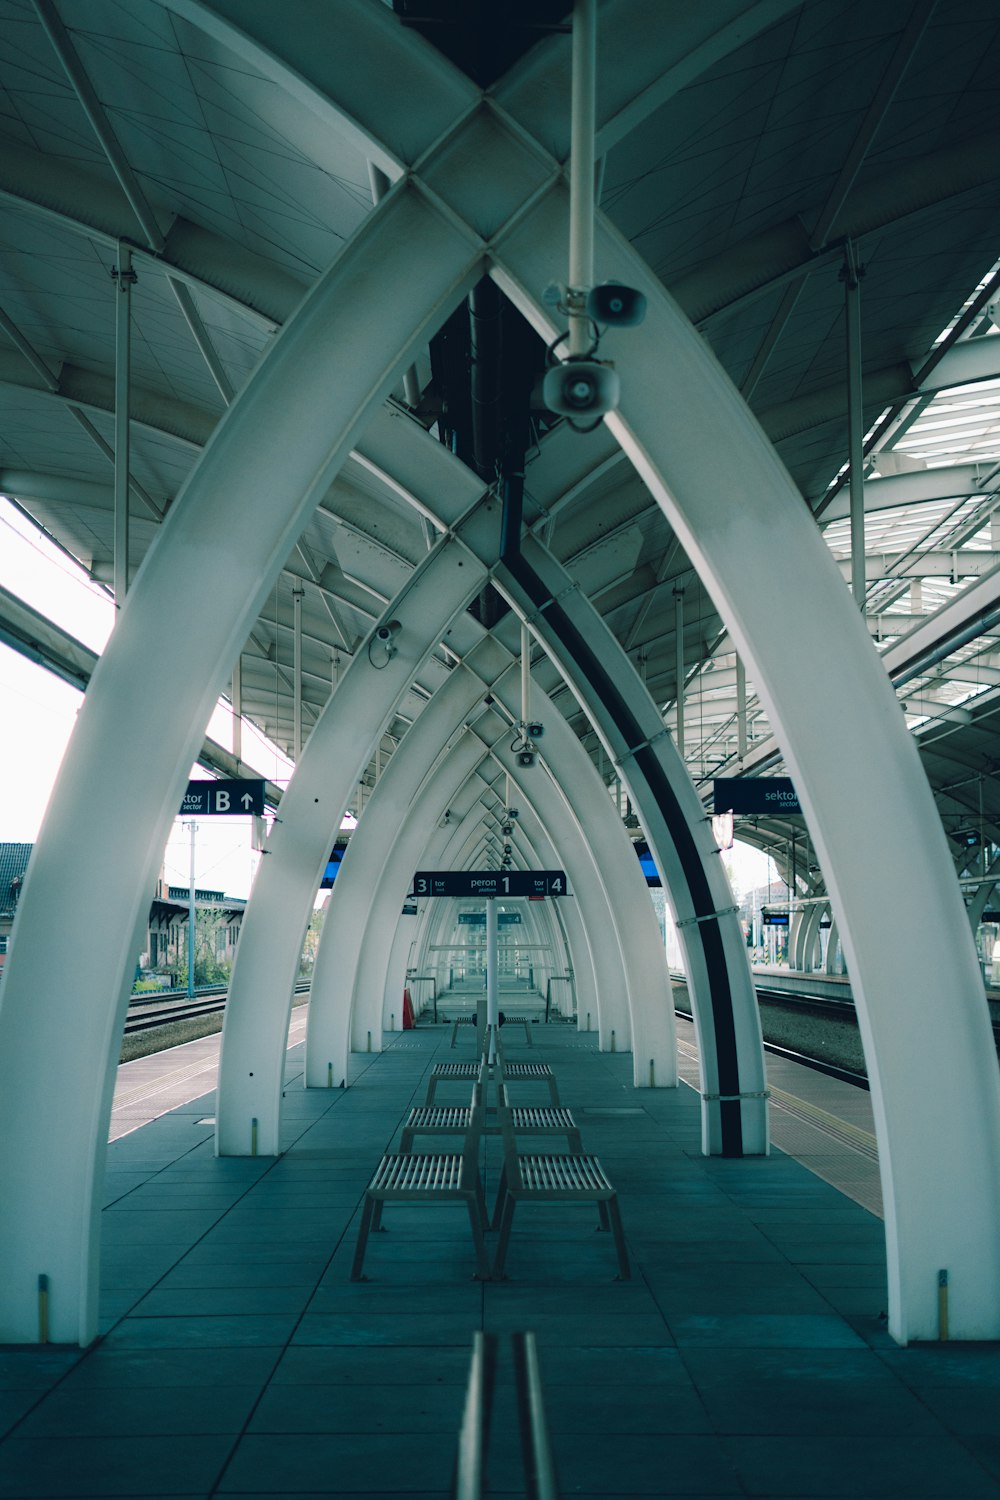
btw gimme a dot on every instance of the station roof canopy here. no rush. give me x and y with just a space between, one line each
798 143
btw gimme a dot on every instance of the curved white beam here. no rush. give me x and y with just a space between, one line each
364 869
273 455
858 775
251 1069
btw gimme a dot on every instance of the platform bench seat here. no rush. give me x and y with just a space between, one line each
460 1021
520 1021
442 1177
443 1119
451 1072
530 1072
529 1178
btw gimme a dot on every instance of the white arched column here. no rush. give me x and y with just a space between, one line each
650 999
251 1065
858 775
733 1075
364 870
271 458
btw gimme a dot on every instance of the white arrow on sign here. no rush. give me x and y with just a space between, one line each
247 800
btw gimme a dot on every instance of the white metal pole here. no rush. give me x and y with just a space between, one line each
581 174
741 708
237 701
192 914
124 279
297 593
855 422
525 674
492 977
679 664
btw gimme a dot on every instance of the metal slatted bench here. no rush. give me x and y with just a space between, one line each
460 1021
528 1072
528 1178
451 1072
442 1119
443 1177
520 1021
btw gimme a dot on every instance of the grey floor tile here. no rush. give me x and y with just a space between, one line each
682 1465
207 1332
855 1464
218 1301
105 1467
135 1411
108 1367
303 1463
748 1330
388 1365
350 1408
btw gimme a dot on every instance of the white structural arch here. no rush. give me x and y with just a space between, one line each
856 770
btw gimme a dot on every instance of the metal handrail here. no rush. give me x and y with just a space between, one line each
536 1448
473 1437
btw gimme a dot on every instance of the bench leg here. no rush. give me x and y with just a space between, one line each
624 1269
602 1214
501 1195
575 1142
527 1034
406 1143
454 1032
359 1250
506 1220
553 1092
476 1220
431 1091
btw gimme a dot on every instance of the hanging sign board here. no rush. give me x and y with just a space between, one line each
755 794
489 883
478 919
772 918
210 799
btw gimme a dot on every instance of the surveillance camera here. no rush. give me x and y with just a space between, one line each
616 305
386 632
581 388
535 731
507 829
507 849
512 812
526 757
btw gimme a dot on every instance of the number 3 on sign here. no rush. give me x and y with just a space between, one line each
421 886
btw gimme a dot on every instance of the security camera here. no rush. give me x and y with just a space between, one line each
385 633
616 305
526 757
535 731
581 388
507 849
507 829
512 812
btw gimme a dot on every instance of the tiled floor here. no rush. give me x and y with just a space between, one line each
745 1358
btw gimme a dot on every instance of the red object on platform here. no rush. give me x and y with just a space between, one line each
408 1021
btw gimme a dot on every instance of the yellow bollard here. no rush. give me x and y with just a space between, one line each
612 1041
943 1306
329 1075
652 1074
369 1041
253 1136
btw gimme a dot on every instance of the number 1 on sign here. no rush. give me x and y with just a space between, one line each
506 883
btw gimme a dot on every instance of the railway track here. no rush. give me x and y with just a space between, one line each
163 1009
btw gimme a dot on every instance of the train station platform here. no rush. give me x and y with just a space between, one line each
747 1356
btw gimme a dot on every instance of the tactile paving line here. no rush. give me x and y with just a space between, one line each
798 1127
127 1098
